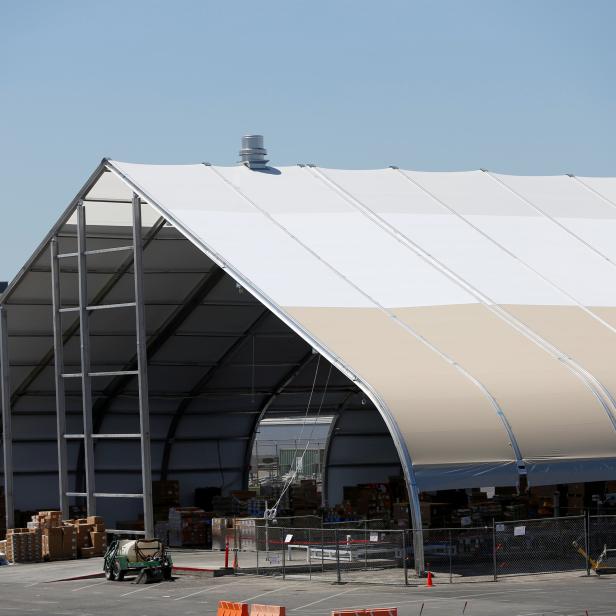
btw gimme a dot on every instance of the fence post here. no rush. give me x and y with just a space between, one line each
284 549
309 556
366 548
587 540
404 565
257 539
338 576
450 550
494 548
322 549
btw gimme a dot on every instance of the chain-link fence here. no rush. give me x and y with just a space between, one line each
602 536
539 546
453 555
374 523
457 554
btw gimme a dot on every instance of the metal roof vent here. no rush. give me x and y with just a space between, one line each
253 153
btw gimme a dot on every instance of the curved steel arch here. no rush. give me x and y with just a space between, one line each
200 387
401 447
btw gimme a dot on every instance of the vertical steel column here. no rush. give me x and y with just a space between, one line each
84 340
58 353
7 429
142 376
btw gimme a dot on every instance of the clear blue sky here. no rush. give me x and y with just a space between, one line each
514 86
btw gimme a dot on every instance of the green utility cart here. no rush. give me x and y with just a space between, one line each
145 557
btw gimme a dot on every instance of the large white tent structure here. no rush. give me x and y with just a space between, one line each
473 313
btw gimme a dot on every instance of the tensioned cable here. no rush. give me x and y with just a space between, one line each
316 419
308 440
272 511
405 326
588 379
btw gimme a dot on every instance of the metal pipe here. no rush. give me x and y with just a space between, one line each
404 559
494 562
142 376
84 340
338 576
58 350
7 429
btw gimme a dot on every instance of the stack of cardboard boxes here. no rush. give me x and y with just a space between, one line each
23 545
48 537
57 538
91 536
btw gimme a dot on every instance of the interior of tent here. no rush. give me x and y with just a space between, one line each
219 362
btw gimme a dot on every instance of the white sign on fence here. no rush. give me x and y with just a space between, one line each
288 539
374 537
518 531
500 528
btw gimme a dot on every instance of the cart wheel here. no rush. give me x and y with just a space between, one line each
109 574
118 573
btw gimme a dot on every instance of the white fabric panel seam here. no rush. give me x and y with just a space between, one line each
594 191
321 175
525 264
549 217
584 375
377 304
588 379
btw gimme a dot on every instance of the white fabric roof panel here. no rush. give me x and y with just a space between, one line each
480 322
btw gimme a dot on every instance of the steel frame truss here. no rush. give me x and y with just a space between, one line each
86 375
7 430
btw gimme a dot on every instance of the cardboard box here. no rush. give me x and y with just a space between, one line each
99 541
53 543
87 552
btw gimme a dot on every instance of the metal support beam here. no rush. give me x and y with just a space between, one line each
58 345
7 429
73 328
156 342
86 381
142 376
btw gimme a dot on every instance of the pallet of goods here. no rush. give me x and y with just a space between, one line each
91 536
48 537
24 545
58 540
189 526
